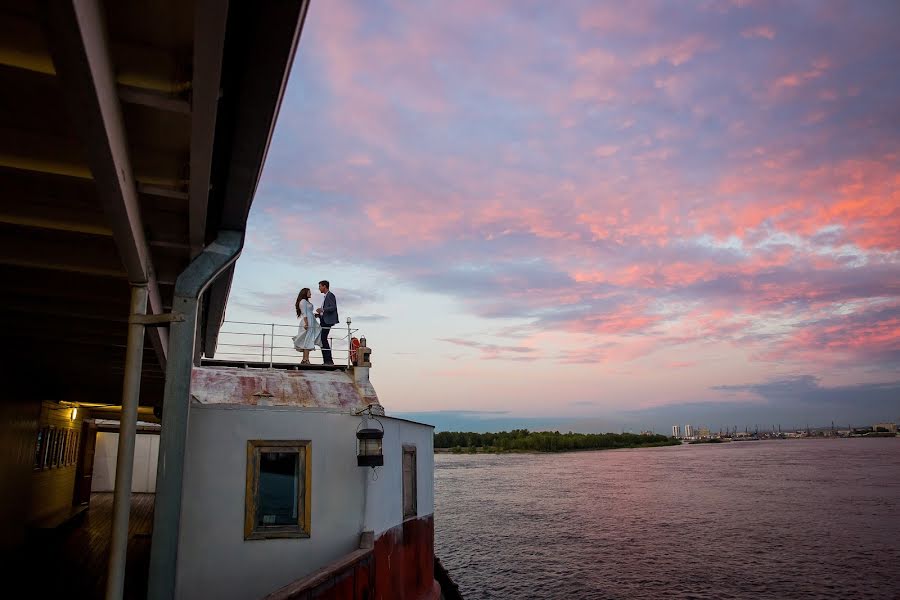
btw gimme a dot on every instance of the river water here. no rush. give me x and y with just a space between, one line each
775 519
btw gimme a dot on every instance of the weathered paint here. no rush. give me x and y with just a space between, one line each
404 562
215 561
400 567
342 391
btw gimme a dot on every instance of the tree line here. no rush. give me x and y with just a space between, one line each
544 441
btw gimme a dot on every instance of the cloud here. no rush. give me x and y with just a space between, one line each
806 392
475 421
791 402
760 31
495 351
369 318
661 179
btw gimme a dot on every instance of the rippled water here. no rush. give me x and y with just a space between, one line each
779 519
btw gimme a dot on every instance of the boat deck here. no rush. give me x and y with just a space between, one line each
71 560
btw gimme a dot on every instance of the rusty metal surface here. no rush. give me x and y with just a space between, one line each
334 390
401 567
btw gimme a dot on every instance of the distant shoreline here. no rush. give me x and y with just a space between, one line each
492 450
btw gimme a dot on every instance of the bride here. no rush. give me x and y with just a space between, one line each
310 331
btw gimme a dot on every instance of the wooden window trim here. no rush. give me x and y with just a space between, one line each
302 528
411 449
60 448
54 450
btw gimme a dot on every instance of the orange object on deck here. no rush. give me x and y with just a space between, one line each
354 346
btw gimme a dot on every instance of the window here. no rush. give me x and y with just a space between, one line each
409 481
54 447
277 503
61 437
39 447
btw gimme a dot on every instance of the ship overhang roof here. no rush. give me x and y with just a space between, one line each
131 133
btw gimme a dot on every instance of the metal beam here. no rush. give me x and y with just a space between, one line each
210 18
154 99
205 268
155 190
80 51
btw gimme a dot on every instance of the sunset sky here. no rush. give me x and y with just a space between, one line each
547 214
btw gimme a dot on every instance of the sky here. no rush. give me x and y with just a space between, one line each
592 216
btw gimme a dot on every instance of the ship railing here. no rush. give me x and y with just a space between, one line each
249 341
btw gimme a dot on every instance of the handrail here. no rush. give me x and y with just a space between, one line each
235 342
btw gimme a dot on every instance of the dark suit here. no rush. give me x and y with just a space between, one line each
328 319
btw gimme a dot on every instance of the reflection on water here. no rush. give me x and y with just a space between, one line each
785 519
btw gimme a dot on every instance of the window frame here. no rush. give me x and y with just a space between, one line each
300 529
411 450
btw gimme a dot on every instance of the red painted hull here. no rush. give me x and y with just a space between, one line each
399 567
404 562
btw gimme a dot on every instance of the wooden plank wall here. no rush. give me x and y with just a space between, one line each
18 423
53 481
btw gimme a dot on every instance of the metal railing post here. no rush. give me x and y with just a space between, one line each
248 350
131 390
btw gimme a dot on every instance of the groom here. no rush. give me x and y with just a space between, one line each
328 317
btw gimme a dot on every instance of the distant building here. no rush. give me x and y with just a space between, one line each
676 431
688 431
704 432
885 427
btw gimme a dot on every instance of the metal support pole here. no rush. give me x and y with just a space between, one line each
272 348
264 348
202 271
131 389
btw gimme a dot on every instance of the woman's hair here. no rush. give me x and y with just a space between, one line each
303 295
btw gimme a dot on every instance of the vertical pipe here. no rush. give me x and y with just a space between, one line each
208 265
131 388
271 347
264 348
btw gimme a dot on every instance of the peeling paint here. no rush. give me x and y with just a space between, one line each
336 390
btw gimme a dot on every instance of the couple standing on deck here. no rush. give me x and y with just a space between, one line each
315 333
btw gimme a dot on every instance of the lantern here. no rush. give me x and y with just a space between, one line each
369 453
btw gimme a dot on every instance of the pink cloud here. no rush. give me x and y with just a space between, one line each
792 80
675 53
663 193
760 31
605 151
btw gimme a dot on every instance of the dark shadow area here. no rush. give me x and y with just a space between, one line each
70 561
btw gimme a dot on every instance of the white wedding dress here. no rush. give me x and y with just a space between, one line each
308 339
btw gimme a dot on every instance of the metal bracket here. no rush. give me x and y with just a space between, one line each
160 320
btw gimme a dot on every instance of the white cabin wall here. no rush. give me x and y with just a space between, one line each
387 491
215 561
146 451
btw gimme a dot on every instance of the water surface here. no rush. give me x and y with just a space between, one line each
778 519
